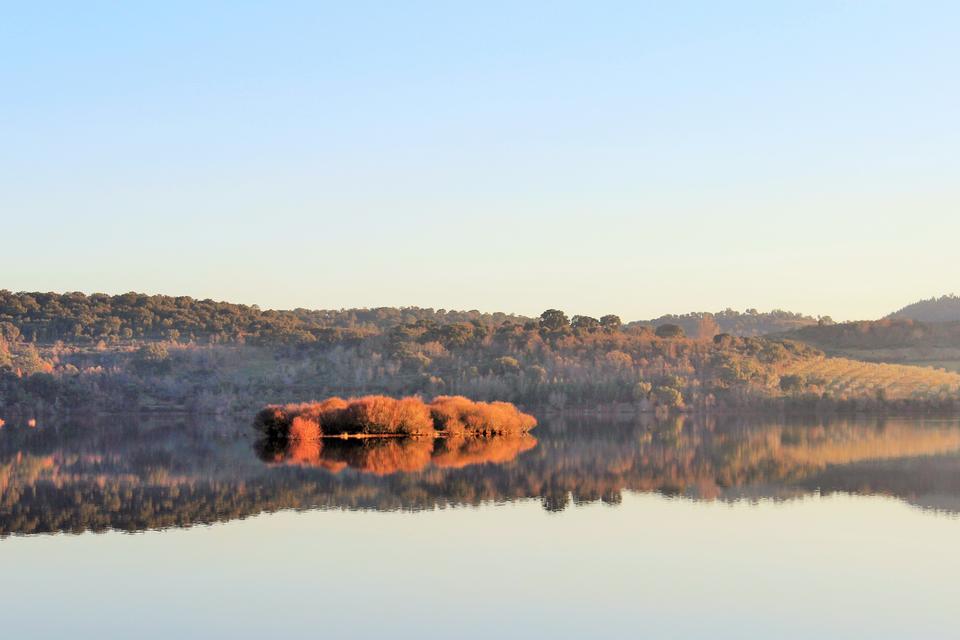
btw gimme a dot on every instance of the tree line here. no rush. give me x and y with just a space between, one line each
80 318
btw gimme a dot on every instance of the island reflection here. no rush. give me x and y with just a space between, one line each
385 456
133 475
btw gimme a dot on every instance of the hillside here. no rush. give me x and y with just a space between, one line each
842 377
154 353
749 323
943 309
890 340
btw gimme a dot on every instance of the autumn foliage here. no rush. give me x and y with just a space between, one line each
379 415
456 430
459 415
382 415
276 421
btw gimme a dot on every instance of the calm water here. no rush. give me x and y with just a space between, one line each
170 528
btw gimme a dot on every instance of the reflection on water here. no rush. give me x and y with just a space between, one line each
385 456
170 472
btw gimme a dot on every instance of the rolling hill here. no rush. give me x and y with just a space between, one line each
902 341
748 323
943 309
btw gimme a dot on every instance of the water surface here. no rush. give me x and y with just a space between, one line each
171 527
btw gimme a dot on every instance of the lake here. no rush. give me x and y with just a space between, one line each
161 527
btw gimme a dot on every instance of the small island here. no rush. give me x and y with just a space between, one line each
384 435
373 416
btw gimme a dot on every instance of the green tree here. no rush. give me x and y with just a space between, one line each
669 331
537 374
668 397
506 365
152 358
554 320
585 323
791 383
29 361
415 362
9 332
642 390
611 322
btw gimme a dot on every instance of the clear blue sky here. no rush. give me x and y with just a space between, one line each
634 158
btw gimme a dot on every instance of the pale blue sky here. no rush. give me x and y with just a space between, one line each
634 158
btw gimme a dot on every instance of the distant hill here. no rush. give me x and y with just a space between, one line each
746 324
880 334
892 340
942 309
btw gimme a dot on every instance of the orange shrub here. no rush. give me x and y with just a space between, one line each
457 415
276 421
382 415
303 429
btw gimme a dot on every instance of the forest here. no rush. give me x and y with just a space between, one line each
78 353
81 319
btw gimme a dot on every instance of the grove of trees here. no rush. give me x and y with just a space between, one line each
74 353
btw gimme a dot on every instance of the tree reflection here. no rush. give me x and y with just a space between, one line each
386 456
167 472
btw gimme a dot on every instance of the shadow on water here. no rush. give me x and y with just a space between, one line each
134 474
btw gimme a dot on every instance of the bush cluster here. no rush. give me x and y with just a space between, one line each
383 415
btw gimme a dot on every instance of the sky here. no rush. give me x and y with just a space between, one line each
637 158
